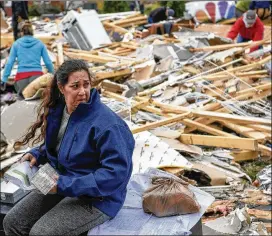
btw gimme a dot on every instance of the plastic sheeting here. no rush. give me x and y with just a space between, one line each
131 220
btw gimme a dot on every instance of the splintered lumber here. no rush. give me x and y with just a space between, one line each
60 53
254 96
160 123
115 27
218 141
106 75
257 72
228 46
90 57
145 108
232 118
265 151
133 23
259 214
256 89
214 115
124 45
205 128
243 155
130 20
8 39
260 128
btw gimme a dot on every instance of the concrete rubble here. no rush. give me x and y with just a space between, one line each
195 92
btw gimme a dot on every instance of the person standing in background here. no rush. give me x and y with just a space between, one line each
19 13
160 14
28 51
241 7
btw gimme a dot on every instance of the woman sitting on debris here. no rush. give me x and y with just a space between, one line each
28 52
90 147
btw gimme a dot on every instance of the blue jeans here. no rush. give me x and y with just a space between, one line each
240 39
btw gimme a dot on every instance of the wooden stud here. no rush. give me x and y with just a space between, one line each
218 141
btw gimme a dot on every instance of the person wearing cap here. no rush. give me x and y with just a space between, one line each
160 14
28 51
247 27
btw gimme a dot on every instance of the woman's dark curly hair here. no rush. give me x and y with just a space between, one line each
52 97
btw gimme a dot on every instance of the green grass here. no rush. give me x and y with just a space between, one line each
253 167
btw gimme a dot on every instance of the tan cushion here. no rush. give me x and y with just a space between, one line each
34 86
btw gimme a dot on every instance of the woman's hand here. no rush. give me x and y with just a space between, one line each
55 188
29 157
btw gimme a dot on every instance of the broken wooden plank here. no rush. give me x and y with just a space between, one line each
219 141
205 128
111 74
245 131
228 46
256 89
259 214
145 108
8 39
160 123
116 28
260 128
90 57
265 151
130 20
243 155
232 118
60 53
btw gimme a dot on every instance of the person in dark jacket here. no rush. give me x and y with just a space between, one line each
28 51
248 27
91 148
262 8
19 13
160 14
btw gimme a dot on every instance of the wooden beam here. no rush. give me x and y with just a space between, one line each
218 141
232 118
240 156
260 214
228 46
205 128
260 128
256 89
106 75
215 115
60 53
245 131
160 123
90 57
125 21
7 39
116 28
146 108
265 151
124 45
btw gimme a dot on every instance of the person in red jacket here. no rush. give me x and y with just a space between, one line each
247 27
